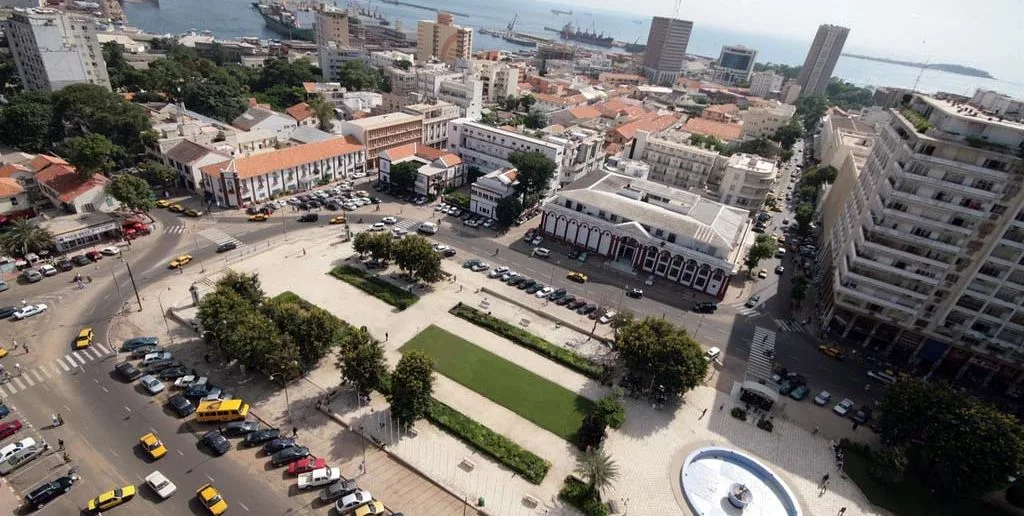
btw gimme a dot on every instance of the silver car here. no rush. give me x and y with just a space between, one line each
151 384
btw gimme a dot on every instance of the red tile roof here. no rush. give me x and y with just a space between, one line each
721 130
9 187
654 124
42 161
421 151
587 112
300 111
10 169
725 109
66 181
261 164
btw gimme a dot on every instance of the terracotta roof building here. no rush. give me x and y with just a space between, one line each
63 186
723 131
384 132
303 115
245 180
13 197
722 112
437 169
650 122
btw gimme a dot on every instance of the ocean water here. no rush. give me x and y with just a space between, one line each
234 18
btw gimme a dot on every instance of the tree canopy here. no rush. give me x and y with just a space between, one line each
156 173
810 109
361 360
25 122
535 172
403 175
412 385
23 237
92 153
357 75
508 210
847 95
415 255
660 355
760 146
133 192
763 248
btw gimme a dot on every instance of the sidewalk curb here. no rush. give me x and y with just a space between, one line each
556 320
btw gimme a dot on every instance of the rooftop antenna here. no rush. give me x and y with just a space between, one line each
676 10
921 72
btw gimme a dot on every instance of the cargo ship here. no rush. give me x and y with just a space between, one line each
636 47
282 21
589 37
559 11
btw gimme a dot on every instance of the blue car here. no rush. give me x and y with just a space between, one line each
4 411
277 445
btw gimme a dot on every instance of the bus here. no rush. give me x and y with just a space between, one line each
222 410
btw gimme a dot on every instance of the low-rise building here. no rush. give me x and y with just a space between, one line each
645 227
490 189
763 121
332 92
258 118
383 132
746 181
303 115
188 158
360 104
622 136
766 85
584 152
549 103
488 148
64 187
437 169
499 79
674 162
726 132
436 116
332 59
727 113
13 198
382 58
83 230
621 79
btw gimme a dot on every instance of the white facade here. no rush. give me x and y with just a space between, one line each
260 119
499 79
488 147
998 103
762 122
383 58
332 60
766 84
489 189
53 49
436 116
674 162
459 88
584 152
746 181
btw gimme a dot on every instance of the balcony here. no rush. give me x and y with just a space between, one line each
882 247
895 292
885 268
923 221
948 247
867 297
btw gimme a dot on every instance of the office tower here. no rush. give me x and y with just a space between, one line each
53 49
765 84
735 64
666 49
821 59
443 39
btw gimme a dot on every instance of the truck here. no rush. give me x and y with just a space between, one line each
319 477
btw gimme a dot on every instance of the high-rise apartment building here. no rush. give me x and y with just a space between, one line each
443 40
765 84
666 49
735 63
331 25
821 59
926 261
53 49
436 115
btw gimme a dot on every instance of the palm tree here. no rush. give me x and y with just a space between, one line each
597 468
24 237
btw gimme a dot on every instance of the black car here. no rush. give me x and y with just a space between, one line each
584 310
527 283
49 491
181 405
128 371
448 253
333 206
862 416
309 217
338 490
706 307
226 246
145 350
198 391
217 442
138 342
173 373
574 254
533 289
261 436
635 293
556 295
65 265
791 382
156 367
7 311
81 259
516 280
579 303
240 428
564 300
289 455
278 444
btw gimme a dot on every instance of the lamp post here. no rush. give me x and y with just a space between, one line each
163 313
287 401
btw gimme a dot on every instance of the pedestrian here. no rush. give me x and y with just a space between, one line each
824 479
295 432
303 251
386 336
17 367
25 347
705 411
206 357
842 511
181 270
720 407
855 425
60 444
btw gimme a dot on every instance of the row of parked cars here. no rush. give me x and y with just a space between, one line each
39 271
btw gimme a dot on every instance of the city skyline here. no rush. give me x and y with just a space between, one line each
916 30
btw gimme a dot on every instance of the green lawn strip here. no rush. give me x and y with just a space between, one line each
909 496
570 359
497 446
291 297
545 403
376 287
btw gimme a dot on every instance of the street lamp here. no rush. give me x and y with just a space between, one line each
163 313
287 401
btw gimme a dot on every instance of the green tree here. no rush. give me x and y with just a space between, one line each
281 97
250 337
889 464
415 255
156 173
810 109
83 109
133 192
536 120
848 96
798 289
535 172
324 112
611 410
313 330
23 237
763 248
10 81
591 433
213 100
707 142
760 146
25 121
597 469
403 175
659 354
359 76
403 64
788 134
361 360
378 245
244 284
508 210
527 101
412 385
92 153
804 216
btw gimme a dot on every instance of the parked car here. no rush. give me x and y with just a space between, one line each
94 256
48 270
10 428
49 491
151 384
800 392
278 444
634 293
862 416
226 246
80 260
28 311
705 307
843 407
172 373
339 490
32 275
353 501
822 398
181 405
306 465
189 379
128 371
138 342
289 455
541 252
199 390
319 477
216 442
240 428
261 436
142 351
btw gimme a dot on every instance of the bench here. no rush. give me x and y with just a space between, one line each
530 500
467 464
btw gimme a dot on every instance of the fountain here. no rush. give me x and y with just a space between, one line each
712 475
740 496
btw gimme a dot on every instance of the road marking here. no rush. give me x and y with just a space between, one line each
63 366
70 361
47 372
126 407
10 387
102 348
29 380
180 453
78 356
104 389
242 505
211 479
17 382
114 453
39 376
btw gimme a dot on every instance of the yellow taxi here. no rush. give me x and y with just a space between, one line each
162 203
84 338
578 277
176 208
3 351
180 261
192 213
259 217
832 351
153 445
211 499
372 508
111 499
340 219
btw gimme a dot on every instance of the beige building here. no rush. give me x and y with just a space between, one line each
926 261
846 143
442 39
822 58
762 122
383 132
436 116
674 162
745 181
53 49
767 84
331 26
499 79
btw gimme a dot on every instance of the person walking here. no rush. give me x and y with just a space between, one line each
60 444
842 511
25 347
703 412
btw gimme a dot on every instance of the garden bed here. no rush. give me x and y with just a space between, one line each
376 287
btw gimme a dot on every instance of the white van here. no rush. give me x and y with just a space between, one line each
780 252
22 452
428 227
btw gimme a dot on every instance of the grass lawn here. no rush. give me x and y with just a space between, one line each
909 496
376 287
533 397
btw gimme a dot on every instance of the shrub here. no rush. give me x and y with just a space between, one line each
1015 494
579 495
504 450
458 199
739 413
570 359
376 287
765 424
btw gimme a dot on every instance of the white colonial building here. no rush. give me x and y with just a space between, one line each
490 189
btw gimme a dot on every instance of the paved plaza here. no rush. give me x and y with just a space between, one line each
649 449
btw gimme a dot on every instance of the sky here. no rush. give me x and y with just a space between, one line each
980 33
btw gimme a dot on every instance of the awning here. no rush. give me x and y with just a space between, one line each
761 390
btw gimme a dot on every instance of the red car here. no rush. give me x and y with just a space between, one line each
306 465
94 256
9 429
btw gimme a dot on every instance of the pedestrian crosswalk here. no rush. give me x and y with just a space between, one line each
789 325
740 306
28 378
175 229
762 354
407 224
219 237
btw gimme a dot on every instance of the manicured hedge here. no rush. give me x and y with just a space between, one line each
580 496
570 359
376 287
497 446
